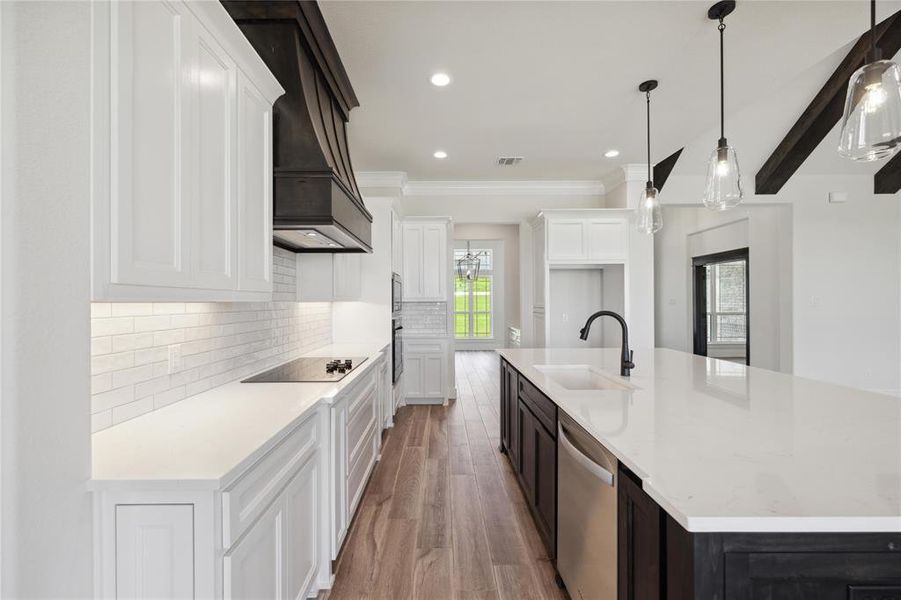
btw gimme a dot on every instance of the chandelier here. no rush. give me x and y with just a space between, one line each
468 266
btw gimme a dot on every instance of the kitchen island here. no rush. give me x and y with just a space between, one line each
734 482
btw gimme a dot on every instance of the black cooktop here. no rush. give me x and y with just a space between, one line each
309 369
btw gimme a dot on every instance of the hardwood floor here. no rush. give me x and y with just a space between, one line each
443 516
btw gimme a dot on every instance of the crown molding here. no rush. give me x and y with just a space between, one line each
381 179
624 173
505 188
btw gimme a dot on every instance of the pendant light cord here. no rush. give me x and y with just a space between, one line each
650 181
722 28
873 56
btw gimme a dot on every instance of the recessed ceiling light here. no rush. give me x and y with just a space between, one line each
311 234
440 154
440 79
611 153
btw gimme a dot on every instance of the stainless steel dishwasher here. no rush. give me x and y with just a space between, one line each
586 514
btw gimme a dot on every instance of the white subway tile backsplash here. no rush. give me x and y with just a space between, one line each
220 342
131 341
101 326
154 323
101 345
131 410
131 309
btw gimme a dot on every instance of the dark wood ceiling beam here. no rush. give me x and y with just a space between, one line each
888 178
664 168
824 111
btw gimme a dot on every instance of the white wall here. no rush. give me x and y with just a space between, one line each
45 517
846 287
831 299
509 236
690 231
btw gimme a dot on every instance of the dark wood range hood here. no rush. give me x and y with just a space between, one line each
317 206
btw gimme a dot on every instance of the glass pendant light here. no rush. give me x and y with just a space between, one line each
871 123
723 189
650 217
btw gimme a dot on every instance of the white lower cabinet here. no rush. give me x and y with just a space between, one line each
425 370
302 526
255 566
155 551
355 436
268 532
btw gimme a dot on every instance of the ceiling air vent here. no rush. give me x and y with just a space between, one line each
508 161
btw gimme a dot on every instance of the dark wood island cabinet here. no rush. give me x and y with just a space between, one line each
659 559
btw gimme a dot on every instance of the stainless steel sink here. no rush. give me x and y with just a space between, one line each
580 377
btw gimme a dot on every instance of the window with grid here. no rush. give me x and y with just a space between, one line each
726 302
474 300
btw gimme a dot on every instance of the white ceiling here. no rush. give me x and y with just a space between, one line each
556 82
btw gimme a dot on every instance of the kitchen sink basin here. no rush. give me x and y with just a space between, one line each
580 377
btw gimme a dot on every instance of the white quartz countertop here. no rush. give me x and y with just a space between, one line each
725 447
206 440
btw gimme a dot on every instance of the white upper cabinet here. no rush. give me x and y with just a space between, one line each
425 260
182 155
326 277
254 187
397 244
587 240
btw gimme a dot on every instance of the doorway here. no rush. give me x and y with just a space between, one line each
721 308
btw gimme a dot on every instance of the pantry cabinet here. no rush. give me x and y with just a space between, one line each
426 259
181 152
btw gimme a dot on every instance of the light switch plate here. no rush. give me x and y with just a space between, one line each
175 362
838 197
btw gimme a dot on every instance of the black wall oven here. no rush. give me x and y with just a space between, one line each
397 348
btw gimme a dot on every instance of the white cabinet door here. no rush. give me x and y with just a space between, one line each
566 240
149 203
254 188
413 248
607 240
433 376
539 266
155 551
255 566
211 138
338 476
413 369
327 277
435 266
302 533
347 276
315 278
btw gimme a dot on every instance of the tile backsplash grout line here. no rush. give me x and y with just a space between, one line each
220 343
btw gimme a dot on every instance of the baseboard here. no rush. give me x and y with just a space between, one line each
424 401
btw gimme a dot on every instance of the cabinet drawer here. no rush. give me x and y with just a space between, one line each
423 347
545 410
359 468
358 423
357 391
244 500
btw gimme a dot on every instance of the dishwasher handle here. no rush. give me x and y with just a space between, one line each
605 476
